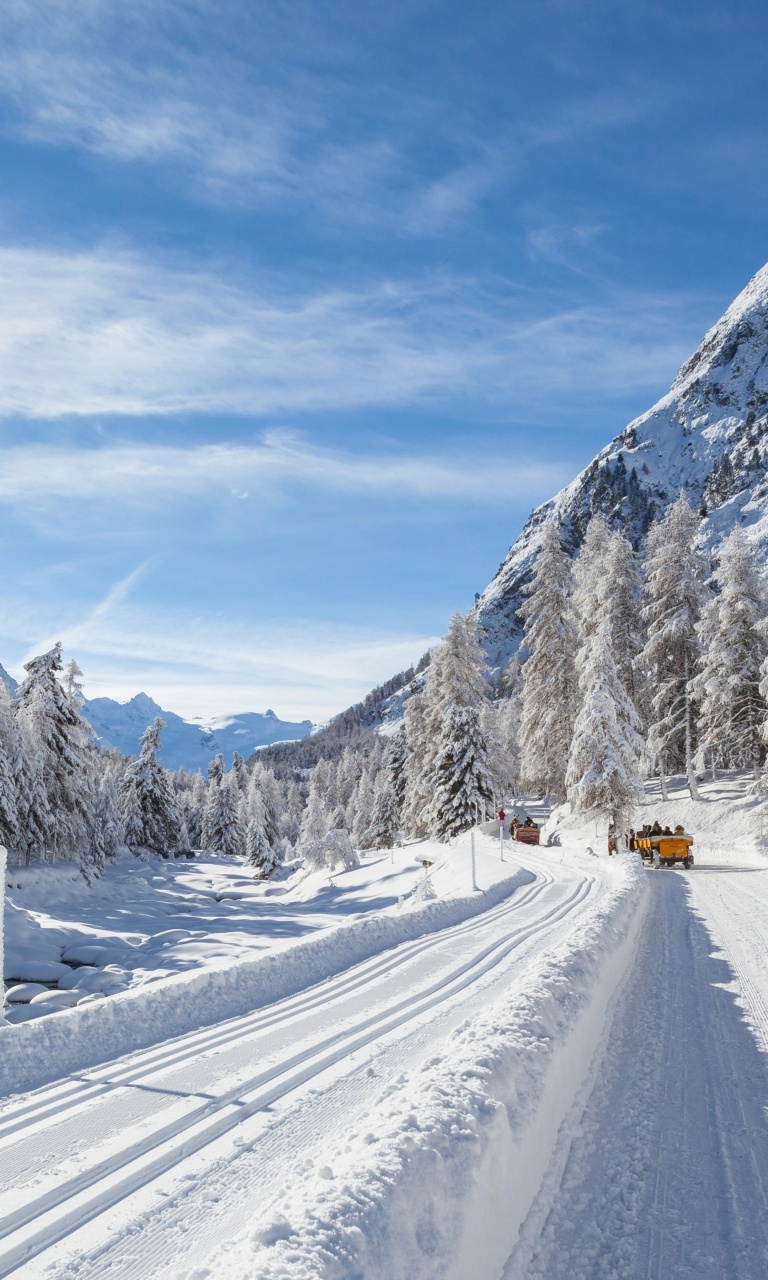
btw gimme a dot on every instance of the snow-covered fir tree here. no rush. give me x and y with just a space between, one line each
418 790
55 733
550 696
195 811
150 816
10 780
106 825
674 597
500 724
240 770
732 635
455 693
256 845
314 825
397 771
222 830
604 775
273 803
463 780
361 805
384 828
620 605
589 574
263 842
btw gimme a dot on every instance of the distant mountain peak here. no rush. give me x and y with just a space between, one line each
188 743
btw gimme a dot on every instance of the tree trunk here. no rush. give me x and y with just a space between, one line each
663 783
689 740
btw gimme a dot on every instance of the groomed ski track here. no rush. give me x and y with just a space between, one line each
116 1172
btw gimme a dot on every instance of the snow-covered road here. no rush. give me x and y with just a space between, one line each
148 1165
578 1075
666 1172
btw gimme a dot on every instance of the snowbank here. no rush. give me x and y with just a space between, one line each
32 1053
440 1190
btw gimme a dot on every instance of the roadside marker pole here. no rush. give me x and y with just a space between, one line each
474 868
501 840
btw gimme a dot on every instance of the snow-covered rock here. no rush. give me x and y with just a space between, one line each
708 436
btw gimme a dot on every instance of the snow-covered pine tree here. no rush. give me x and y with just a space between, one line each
397 776
384 829
106 825
240 770
272 802
289 825
150 815
605 760
73 682
674 596
252 818
362 808
418 792
314 826
455 693
732 634
215 779
35 817
589 573
223 833
263 843
53 728
500 724
550 695
620 604
462 777
10 769
195 812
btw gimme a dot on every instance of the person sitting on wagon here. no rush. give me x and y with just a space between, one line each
667 831
655 829
679 830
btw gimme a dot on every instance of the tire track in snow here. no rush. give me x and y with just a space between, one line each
665 1172
49 1218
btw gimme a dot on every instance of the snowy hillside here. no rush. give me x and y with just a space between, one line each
708 436
191 743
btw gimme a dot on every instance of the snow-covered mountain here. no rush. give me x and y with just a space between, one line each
708 436
191 743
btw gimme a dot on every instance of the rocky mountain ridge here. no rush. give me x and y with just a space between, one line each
707 436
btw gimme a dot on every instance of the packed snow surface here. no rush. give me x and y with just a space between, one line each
567 1077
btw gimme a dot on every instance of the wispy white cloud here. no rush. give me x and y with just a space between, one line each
256 105
299 668
144 472
112 332
95 618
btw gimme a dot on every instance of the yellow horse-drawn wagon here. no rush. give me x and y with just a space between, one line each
670 850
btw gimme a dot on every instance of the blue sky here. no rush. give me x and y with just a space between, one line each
305 306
